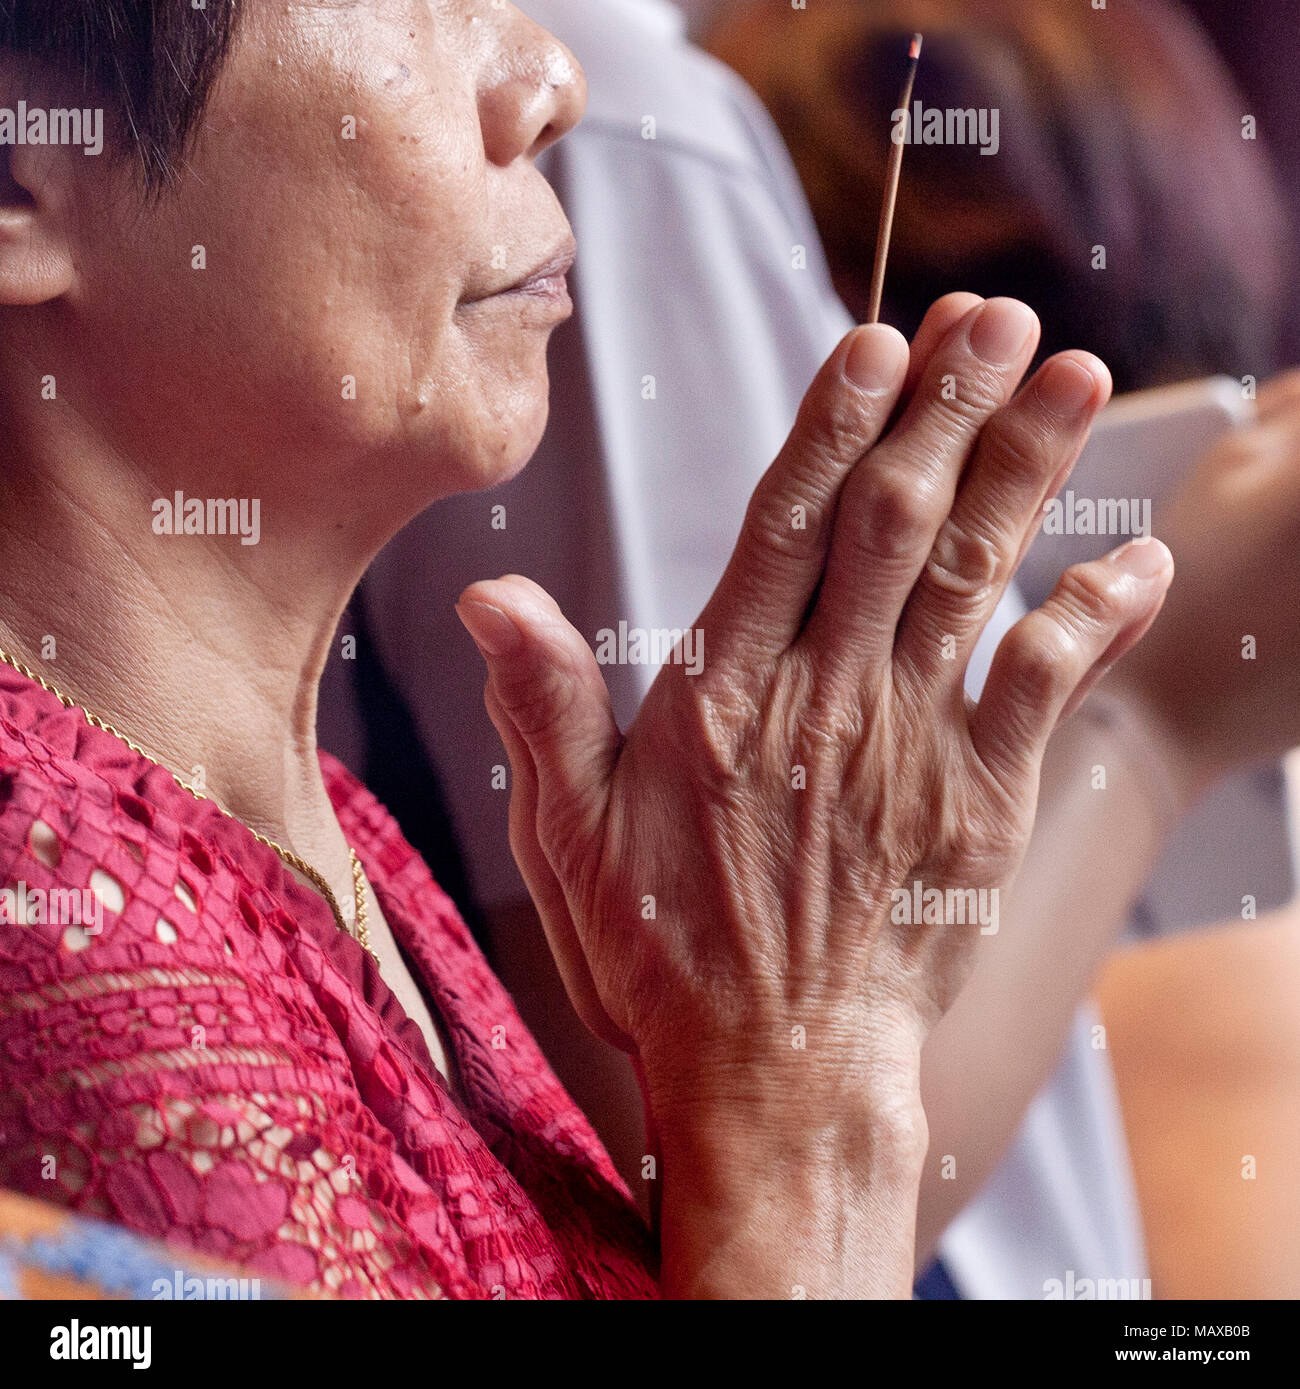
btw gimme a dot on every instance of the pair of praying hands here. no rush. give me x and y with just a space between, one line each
716 883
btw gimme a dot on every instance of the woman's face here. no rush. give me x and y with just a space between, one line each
364 196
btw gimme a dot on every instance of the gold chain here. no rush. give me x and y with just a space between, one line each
358 931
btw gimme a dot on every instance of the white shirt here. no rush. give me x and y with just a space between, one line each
688 288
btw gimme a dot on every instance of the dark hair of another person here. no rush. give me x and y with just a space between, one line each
1118 128
150 63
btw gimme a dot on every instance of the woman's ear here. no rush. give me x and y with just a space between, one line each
36 261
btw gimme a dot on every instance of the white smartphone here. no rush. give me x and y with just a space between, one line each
1141 447
1236 841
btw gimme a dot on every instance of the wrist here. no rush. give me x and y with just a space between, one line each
767 1072
826 1211
790 1182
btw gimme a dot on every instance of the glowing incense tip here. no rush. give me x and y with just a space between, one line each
915 51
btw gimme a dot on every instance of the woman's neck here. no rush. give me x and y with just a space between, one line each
204 650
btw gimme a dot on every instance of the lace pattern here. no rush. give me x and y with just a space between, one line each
205 1058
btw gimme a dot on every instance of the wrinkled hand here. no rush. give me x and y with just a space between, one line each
1219 673
724 873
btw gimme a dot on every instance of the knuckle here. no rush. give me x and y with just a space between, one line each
831 723
962 396
891 515
534 711
983 855
1089 594
830 435
719 724
964 562
771 529
1042 654
537 705
1022 451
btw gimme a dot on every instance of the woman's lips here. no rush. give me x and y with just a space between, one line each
550 277
546 281
552 286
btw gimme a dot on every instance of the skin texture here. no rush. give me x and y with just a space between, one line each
784 1167
991 1052
1090 854
866 703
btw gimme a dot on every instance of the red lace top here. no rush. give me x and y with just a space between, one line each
220 1066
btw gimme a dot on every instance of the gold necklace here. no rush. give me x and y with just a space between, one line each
358 931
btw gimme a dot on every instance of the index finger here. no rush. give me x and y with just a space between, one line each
758 607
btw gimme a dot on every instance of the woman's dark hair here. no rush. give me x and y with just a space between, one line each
152 64
1119 128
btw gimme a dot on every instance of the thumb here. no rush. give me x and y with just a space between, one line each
547 683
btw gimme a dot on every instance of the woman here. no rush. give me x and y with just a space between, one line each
332 297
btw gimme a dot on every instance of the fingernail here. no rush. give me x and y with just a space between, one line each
491 629
1001 331
1065 387
1144 558
876 357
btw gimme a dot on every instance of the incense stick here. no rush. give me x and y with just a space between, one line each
891 187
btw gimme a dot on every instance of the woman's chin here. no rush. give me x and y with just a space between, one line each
518 443
506 469
504 455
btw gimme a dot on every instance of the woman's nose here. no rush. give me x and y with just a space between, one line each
533 92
